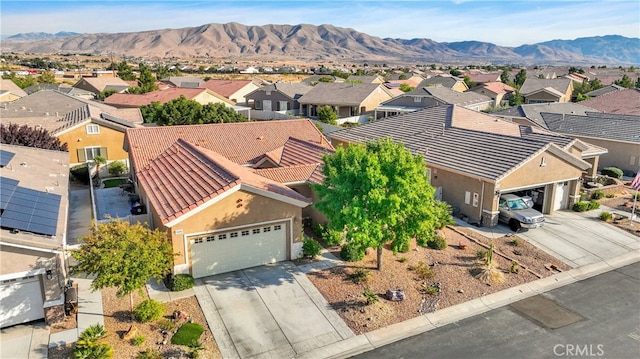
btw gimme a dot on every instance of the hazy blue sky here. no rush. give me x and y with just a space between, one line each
506 23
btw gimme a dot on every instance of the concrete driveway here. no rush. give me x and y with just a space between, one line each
271 311
576 238
25 341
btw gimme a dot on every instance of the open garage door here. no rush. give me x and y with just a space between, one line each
537 195
21 301
238 249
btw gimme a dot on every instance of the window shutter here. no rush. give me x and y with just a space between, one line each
103 152
81 155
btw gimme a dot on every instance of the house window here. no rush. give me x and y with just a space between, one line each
256 231
222 236
245 233
89 153
277 227
543 162
266 229
234 235
467 197
93 129
268 93
632 160
258 104
416 99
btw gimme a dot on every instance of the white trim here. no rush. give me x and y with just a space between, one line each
185 242
16 275
92 125
37 249
490 212
51 303
225 229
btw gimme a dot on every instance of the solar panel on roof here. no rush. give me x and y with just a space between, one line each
29 210
5 157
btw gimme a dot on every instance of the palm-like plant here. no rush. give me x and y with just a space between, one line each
90 346
489 271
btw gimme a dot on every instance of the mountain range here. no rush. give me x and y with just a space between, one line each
322 43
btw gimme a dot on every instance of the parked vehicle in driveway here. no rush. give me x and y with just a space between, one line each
516 212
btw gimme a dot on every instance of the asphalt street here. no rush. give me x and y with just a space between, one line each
595 318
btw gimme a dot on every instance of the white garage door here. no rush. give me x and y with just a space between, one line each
20 301
238 249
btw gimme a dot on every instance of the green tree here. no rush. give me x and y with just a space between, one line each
406 88
146 81
505 76
326 114
125 71
188 112
625 82
470 84
123 255
516 99
455 72
638 82
521 76
106 93
12 134
46 77
378 193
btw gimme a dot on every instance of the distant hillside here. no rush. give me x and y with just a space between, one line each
324 42
41 35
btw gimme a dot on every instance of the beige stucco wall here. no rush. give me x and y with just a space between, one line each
310 211
531 173
227 213
460 87
111 139
238 96
623 155
206 97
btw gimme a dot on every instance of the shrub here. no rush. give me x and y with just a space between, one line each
149 310
431 289
580 206
351 253
150 354
606 216
137 340
318 229
514 267
311 248
402 259
593 205
481 254
81 173
90 345
195 348
636 196
610 195
187 334
515 242
116 168
612 172
437 242
180 282
167 325
360 275
403 247
332 238
597 194
369 296
423 271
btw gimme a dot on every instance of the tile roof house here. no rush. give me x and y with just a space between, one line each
229 196
473 158
201 95
483 77
34 200
623 101
365 79
278 97
89 128
347 99
431 96
9 91
183 81
99 84
619 134
500 93
604 90
234 90
535 90
66 89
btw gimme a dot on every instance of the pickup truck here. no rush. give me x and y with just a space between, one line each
516 212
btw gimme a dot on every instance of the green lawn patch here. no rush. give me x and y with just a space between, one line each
187 334
113 182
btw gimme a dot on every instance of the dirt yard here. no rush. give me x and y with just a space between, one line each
453 281
623 201
117 321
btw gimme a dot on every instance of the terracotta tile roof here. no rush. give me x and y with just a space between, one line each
225 88
625 102
478 121
160 96
294 174
103 83
240 142
483 77
498 87
185 176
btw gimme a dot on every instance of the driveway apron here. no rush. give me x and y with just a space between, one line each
272 311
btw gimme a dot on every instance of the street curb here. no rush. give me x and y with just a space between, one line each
396 332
